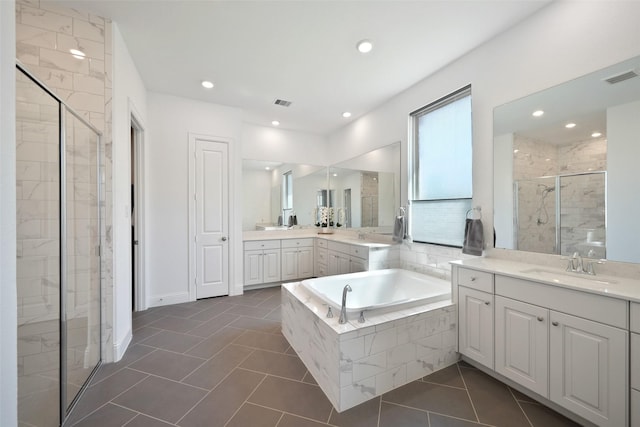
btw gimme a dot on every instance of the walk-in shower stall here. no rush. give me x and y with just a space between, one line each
562 214
58 253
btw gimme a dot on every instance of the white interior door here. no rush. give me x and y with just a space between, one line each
211 218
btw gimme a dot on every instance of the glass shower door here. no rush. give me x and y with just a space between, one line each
38 254
81 260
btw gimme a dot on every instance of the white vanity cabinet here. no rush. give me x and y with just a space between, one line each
261 262
582 335
635 364
297 259
345 258
566 345
476 315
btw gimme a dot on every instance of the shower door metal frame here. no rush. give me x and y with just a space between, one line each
63 108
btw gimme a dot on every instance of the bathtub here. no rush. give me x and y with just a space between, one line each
409 331
379 289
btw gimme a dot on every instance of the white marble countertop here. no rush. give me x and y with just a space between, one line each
616 287
372 241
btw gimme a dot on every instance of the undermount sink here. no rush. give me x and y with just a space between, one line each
562 277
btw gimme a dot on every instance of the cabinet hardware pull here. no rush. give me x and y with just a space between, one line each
555 323
540 318
473 278
487 303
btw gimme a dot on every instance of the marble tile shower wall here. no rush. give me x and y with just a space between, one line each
534 159
45 32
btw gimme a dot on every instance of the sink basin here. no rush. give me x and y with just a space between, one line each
271 227
564 277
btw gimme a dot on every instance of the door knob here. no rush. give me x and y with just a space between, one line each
224 239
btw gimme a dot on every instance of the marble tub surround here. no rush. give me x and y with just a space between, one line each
605 284
355 362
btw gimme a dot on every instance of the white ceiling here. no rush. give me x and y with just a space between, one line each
301 51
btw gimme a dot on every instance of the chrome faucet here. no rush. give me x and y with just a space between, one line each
576 265
343 310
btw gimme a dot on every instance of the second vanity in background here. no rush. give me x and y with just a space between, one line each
565 338
285 259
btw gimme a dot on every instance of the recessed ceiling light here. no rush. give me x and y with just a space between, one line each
516 150
596 134
364 46
275 123
77 53
335 174
537 113
346 114
267 168
570 125
207 84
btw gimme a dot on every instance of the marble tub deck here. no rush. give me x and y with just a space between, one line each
355 362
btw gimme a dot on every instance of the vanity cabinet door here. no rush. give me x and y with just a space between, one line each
252 267
588 369
357 265
522 343
305 262
289 264
476 325
271 266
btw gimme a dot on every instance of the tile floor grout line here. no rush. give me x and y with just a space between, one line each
444 385
171 351
246 400
169 379
138 413
275 376
330 413
124 367
203 397
436 413
473 406
110 400
293 415
380 412
279 419
520 406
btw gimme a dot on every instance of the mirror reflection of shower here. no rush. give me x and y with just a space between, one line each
543 214
562 214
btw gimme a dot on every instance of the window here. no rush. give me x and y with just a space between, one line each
287 190
440 166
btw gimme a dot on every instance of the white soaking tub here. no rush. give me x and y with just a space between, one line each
378 289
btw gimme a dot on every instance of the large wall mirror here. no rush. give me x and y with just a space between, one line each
365 190
566 167
279 195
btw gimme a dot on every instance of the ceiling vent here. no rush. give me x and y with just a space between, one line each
282 102
622 76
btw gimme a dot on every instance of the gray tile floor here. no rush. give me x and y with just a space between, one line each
224 362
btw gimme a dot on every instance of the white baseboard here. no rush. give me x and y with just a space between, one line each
121 347
160 300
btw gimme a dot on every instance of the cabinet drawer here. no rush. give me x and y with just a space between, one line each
261 244
360 252
322 256
598 308
635 317
321 243
475 279
635 362
340 247
297 243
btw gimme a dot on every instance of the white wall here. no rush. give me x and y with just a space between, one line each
562 41
170 120
623 180
129 97
8 300
268 143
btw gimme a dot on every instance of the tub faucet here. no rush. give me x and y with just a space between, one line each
343 310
